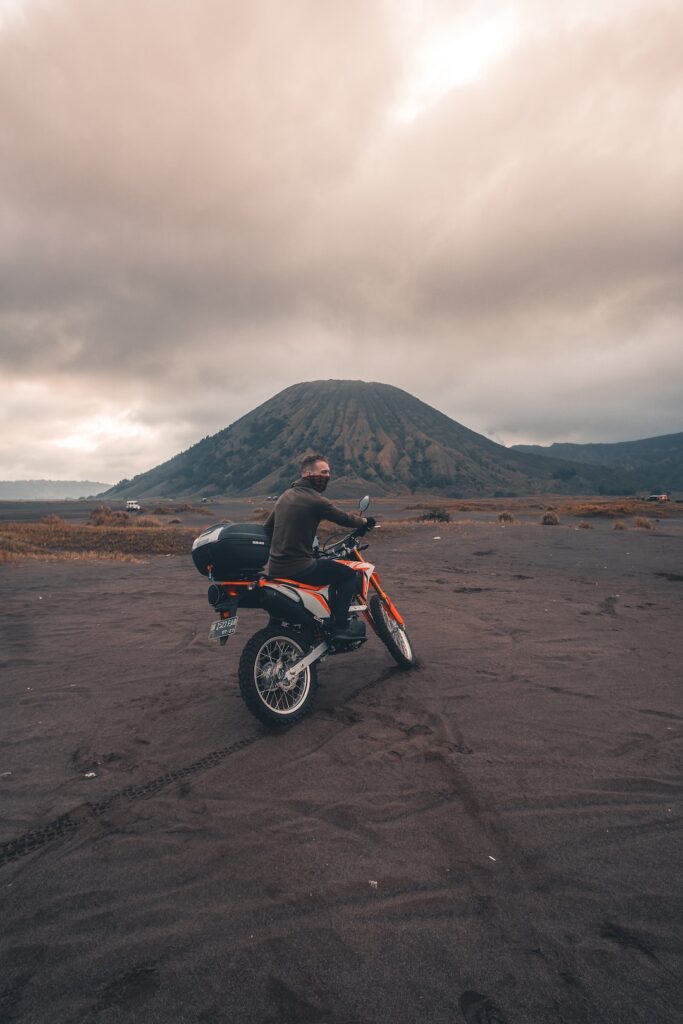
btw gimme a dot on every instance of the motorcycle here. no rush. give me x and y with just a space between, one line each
278 666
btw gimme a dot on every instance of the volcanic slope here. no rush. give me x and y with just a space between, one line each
376 436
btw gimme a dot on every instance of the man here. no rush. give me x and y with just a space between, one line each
293 524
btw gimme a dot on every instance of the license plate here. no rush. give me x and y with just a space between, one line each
223 628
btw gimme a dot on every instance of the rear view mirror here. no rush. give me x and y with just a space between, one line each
364 502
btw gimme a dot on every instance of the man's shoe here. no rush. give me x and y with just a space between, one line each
353 630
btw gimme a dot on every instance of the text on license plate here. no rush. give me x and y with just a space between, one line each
223 627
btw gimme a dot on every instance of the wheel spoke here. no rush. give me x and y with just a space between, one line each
274 659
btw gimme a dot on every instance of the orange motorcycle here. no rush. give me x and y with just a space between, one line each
278 666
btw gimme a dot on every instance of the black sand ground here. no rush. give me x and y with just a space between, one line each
495 837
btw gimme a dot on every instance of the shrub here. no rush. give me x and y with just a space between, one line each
619 525
584 526
550 519
606 509
643 523
53 520
435 515
105 516
506 517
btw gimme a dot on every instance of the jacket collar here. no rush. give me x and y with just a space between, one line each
304 483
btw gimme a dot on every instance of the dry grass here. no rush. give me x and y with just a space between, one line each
619 524
582 507
614 508
584 526
550 519
643 523
506 517
64 541
12 558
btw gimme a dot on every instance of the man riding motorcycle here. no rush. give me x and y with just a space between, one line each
293 525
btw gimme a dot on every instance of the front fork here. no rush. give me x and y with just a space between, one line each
374 582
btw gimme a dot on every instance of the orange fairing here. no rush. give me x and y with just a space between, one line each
361 567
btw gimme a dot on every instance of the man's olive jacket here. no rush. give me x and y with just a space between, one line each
293 524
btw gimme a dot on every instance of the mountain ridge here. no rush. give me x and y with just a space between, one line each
376 436
656 462
44 490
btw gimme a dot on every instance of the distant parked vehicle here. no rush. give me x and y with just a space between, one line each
133 506
657 497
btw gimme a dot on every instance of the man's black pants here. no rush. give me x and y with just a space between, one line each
342 582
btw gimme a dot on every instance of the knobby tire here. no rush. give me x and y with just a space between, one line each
251 657
388 628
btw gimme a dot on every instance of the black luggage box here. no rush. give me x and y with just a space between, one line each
231 550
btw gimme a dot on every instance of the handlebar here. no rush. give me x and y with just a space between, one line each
346 544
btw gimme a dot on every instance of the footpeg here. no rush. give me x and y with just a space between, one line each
342 646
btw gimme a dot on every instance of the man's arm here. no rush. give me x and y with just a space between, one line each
338 515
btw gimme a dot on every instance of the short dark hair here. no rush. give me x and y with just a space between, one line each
310 461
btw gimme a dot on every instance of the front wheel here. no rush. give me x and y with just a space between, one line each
393 635
264 662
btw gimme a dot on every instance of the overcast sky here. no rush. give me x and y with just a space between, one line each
205 201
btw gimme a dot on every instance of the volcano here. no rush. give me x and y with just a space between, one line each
376 438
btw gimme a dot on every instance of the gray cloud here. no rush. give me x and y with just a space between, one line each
201 204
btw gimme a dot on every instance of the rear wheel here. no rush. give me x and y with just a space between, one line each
392 633
269 695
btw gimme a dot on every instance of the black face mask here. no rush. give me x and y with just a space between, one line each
318 482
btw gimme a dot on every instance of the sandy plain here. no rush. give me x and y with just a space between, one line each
493 837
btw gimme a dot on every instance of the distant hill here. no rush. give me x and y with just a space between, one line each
652 464
377 438
44 490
